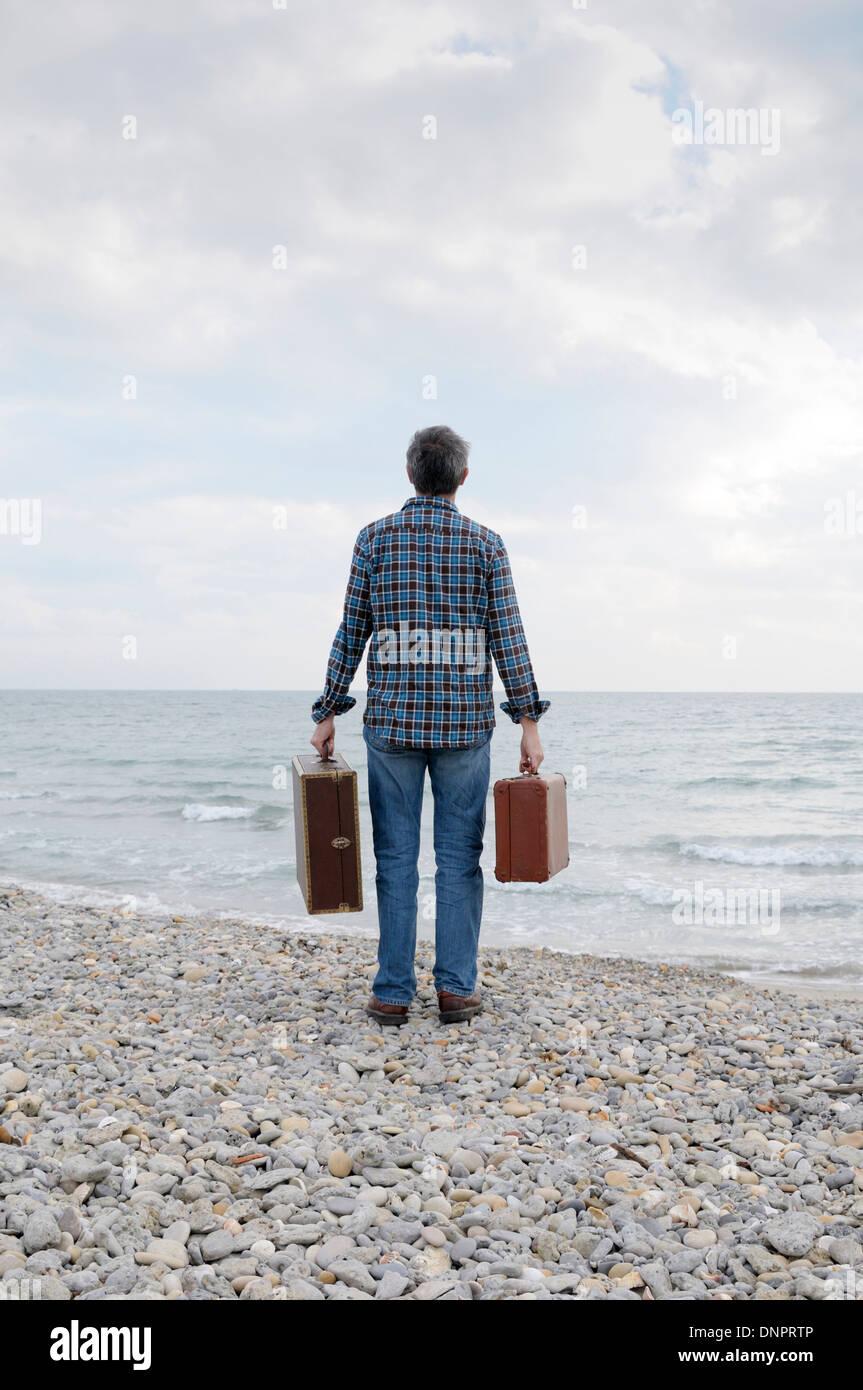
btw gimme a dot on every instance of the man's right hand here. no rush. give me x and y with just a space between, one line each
531 748
324 737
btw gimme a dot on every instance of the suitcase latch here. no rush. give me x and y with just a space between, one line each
340 842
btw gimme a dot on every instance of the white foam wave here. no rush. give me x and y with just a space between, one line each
791 856
195 811
650 894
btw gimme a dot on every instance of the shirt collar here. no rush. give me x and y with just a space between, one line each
426 500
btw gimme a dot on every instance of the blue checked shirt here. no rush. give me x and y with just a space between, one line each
434 593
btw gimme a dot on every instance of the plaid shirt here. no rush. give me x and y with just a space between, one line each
434 592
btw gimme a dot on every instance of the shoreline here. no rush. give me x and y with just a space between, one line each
202 1109
806 989
79 896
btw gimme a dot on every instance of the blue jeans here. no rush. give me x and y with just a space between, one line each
459 779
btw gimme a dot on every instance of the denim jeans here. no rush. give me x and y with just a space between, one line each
459 780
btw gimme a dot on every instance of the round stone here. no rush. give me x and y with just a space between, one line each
699 1240
340 1163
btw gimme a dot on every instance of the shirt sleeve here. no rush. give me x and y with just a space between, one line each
350 640
508 644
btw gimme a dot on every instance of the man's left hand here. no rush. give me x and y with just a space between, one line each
324 737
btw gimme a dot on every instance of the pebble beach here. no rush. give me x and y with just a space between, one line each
201 1109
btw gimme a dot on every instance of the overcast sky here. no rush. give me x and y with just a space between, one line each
235 269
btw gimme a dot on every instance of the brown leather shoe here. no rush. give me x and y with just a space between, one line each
457 1008
390 1015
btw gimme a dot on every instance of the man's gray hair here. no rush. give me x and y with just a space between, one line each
437 459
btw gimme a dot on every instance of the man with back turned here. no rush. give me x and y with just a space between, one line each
431 592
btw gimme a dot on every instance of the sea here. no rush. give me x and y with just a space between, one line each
722 831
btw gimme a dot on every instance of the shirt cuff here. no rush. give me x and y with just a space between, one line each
323 708
532 711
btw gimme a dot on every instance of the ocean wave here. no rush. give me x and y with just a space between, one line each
195 811
829 907
782 856
657 895
551 885
652 895
772 784
142 799
26 796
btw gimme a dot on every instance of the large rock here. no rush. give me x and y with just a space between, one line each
41 1232
792 1233
336 1248
77 1168
354 1274
656 1277
169 1252
845 1251
392 1285
217 1246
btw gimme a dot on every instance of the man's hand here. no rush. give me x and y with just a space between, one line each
324 737
531 748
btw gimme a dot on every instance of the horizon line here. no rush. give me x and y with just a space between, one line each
279 690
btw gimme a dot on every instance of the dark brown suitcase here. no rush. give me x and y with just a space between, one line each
531 834
327 829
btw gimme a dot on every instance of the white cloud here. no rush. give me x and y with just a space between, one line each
302 128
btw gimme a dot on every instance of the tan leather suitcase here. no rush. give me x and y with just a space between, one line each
327 829
530 825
